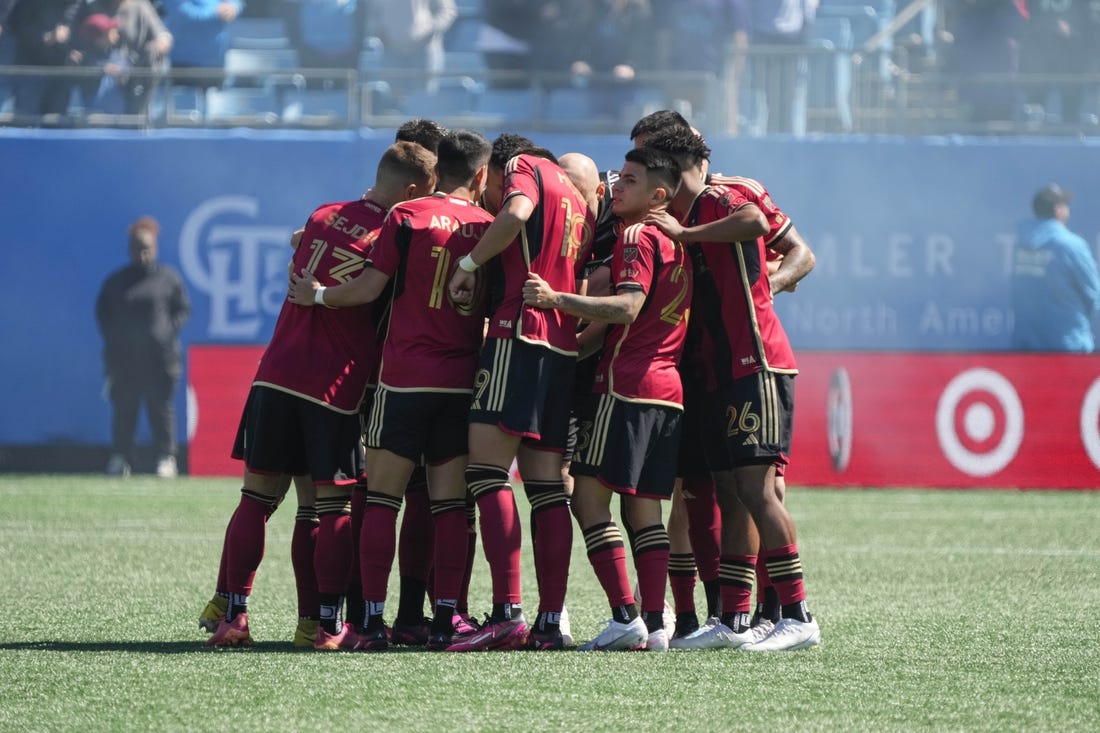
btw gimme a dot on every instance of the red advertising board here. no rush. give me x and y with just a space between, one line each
219 378
947 420
861 418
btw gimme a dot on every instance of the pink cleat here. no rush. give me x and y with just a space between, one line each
231 633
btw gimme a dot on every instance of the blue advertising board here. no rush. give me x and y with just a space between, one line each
913 238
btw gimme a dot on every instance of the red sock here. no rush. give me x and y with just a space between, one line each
737 572
681 579
358 506
332 552
704 524
414 551
244 542
449 563
302 546
222 586
651 563
785 570
471 553
500 528
377 544
608 557
553 541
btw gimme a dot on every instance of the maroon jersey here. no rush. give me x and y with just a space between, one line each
754 191
327 355
554 244
739 331
639 362
431 344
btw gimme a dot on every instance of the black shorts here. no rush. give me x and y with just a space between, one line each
525 390
749 421
691 460
629 446
414 424
281 433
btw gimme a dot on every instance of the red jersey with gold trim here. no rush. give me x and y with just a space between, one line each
554 243
431 344
754 191
740 332
640 359
328 355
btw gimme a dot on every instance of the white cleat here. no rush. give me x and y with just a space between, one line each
762 628
566 628
166 467
789 634
657 642
713 636
618 637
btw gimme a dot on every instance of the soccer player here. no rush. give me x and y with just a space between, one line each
302 412
519 408
746 411
694 522
429 356
630 425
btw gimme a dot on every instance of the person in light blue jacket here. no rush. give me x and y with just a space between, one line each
199 30
1055 283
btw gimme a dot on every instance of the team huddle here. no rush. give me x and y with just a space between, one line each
489 304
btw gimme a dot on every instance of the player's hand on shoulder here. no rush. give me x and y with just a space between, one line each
302 287
667 223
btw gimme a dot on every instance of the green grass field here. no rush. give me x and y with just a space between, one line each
940 611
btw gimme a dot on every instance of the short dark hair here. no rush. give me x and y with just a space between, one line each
658 121
1048 198
658 165
461 153
682 143
508 145
422 132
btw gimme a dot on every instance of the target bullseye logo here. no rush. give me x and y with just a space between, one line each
980 422
1090 423
839 412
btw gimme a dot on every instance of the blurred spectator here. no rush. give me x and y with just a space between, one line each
985 42
506 41
144 43
140 311
328 34
1055 283
99 46
699 36
608 41
412 38
1059 39
42 30
781 81
198 28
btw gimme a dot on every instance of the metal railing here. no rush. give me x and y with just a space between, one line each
765 90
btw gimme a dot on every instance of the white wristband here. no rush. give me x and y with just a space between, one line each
319 295
467 264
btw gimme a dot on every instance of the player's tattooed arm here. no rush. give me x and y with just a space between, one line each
623 307
795 263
